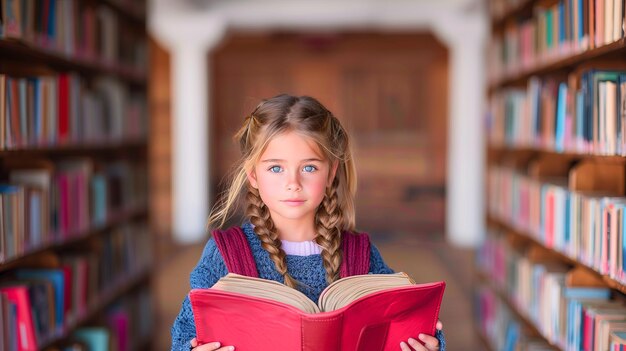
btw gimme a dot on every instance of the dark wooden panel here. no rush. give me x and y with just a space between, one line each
389 90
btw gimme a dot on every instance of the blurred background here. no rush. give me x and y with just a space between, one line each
116 125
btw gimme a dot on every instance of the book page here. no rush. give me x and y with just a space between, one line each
267 289
343 291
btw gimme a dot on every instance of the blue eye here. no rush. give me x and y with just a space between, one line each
274 169
310 168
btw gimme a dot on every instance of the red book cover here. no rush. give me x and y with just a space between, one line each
64 107
67 291
120 325
587 331
19 296
378 321
15 113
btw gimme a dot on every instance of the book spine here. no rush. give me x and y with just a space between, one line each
322 334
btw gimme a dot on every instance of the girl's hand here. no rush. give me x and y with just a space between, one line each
430 342
212 346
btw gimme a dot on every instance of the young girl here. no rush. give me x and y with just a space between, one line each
299 179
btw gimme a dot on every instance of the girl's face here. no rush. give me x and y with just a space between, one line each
292 177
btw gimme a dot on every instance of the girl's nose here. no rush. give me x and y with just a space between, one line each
293 183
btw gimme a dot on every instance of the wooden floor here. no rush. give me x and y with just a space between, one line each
426 258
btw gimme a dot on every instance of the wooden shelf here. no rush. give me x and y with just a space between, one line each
610 282
133 13
524 7
568 154
516 312
114 220
24 52
616 49
76 149
126 283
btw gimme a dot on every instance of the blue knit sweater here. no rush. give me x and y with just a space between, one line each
306 269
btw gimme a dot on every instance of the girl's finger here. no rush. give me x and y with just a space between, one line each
211 346
416 345
227 348
194 342
439 325
430 342
404 346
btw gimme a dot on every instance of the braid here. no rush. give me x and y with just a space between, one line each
264 227
328 219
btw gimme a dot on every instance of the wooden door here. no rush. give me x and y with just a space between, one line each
389 91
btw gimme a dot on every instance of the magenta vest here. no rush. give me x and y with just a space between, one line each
238 257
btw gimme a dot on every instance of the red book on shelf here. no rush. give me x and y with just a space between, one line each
376 321
587 331
18 295
44 15
67 291
64 107
16 135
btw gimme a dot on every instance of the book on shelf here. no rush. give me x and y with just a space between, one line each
64 109
375 311
556 30
75 29
617 341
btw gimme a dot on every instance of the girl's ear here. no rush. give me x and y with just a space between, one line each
252 178
333 172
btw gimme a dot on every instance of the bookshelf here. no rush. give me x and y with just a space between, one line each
556 177
76 244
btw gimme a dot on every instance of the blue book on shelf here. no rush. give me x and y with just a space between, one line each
575 297
56 277
96 339
586 293
597 78
549 29
621 110
52 20
12 327
34 219
560 118
512 334
99 199
581 20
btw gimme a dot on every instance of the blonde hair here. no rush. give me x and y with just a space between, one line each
308 117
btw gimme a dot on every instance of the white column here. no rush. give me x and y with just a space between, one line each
190 142
465 35
189 36
465 163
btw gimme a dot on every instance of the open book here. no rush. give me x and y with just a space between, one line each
364 312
